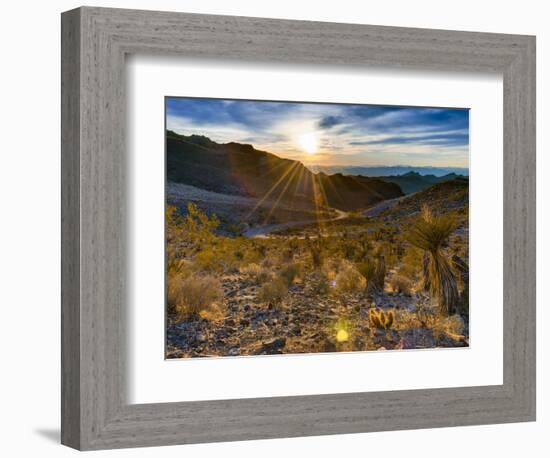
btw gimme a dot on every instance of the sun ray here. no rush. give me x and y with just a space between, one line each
276 203
298 183
268 193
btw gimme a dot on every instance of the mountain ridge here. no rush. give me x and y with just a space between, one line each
240 169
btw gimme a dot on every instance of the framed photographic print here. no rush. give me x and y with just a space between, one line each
336 220
266 256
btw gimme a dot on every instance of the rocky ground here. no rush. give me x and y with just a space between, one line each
310 319
304 324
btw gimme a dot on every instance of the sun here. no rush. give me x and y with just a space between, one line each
309 142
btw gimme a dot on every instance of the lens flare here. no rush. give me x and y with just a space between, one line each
342 335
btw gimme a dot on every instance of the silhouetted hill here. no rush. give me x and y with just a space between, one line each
389 170
240 169
413 181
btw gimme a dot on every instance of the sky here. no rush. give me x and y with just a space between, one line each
330 134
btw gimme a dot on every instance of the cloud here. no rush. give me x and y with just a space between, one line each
360 134
444 139
329 121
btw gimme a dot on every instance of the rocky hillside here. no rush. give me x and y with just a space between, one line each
440 197
240 169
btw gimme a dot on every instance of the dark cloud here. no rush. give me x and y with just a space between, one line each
327 122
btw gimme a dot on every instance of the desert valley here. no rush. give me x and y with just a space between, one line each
266 256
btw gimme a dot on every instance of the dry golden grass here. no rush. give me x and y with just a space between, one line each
189 296
348 279
452 325
367 269
400 284
290 272
273 292
411 264
258 273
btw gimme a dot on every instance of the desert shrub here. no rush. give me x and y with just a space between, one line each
189 296
380 273
268 262
221 255
380 319
314 247
196 226
378 234
349 279
411 263
349 250
176 265
430 233
389 251
289 272
273 292
426 317
215 259
258 273
261 249
293 249
331 266
452 326
367 269
319 284
366 245
400 284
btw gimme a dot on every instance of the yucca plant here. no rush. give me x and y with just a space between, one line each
367 269
430 233
463 270
373 272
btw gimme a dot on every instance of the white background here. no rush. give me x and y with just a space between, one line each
29 233
155 380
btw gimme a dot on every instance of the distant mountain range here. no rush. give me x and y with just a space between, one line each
388 171
413 182
240 169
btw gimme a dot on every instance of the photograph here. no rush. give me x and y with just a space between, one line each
296 227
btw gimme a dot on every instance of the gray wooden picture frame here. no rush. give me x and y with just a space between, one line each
95 412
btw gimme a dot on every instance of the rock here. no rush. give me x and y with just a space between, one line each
388 339
201 338
273 346
417 338
328 346
234 352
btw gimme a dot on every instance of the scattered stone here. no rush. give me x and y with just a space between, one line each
234 352
201 338
273 346
417 338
